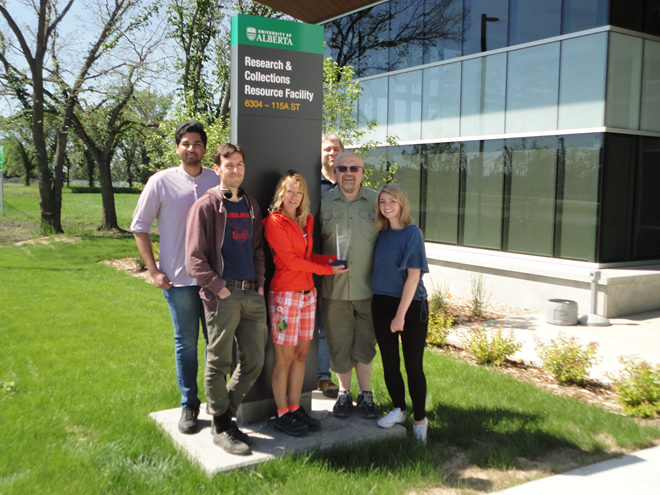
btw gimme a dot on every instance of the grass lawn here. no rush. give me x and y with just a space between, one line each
90 350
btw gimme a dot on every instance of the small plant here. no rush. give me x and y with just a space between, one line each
439 299
638 386
490 346
7 388
566 358
440 324
139 261
478 296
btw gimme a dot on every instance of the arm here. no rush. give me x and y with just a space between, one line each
409 289
143 241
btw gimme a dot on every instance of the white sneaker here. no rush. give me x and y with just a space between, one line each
420 431
394 417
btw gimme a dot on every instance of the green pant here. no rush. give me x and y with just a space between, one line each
241 315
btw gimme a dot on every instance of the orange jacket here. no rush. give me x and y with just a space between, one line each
294 262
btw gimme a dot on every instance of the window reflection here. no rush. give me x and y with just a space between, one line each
441 98
482 95
405 105
624 81
372 109
485 25
531 20
651 87
578 15
442 187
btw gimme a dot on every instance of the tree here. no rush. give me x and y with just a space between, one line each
54 83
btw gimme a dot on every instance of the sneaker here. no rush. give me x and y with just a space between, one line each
344 405
243 437
420 431
188 421
366 406
290 425
328 388
303 417
394 417
229 441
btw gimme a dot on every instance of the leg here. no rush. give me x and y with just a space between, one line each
284 357
297 372
413 343
186 310
363 373
252 336
383 310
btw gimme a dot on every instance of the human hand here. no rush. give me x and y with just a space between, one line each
161 281
397 324
224 293
338 270
260 290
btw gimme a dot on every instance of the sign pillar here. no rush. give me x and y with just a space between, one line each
276 112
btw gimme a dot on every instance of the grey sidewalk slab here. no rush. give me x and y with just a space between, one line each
637 335
270 443
636 474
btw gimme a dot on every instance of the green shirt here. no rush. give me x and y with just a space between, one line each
358 216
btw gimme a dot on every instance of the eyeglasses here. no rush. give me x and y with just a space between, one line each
342 169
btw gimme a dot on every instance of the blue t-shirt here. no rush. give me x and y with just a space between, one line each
237 245
396 251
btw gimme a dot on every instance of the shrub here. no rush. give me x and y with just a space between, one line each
478 295
638 386
566 358
438 300
439 328
490 346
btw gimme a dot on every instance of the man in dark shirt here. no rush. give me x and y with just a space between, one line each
224 252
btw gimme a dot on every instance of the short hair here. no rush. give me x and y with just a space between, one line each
344 154
190 126
331 136
399 194
278 198
225 150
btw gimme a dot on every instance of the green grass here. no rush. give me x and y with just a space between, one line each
90 351
81 212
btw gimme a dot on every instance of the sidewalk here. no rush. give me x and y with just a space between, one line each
637 335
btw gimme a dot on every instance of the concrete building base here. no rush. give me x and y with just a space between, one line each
529 281
269 443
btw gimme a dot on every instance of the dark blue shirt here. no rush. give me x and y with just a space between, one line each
396 251
237 244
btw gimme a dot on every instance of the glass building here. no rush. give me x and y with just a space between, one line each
525 126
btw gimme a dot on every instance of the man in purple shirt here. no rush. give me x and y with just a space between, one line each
166 198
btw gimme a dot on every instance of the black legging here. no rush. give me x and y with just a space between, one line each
413 339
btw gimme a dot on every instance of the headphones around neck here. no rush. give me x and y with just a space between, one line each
228 194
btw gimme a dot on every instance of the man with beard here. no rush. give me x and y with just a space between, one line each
166 198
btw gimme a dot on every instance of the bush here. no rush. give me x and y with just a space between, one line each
566 358
439 299
439 328
490 347
478 294
638 386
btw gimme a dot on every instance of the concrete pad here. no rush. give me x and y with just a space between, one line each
636 473
269 443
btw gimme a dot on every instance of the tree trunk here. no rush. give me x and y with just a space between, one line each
107 196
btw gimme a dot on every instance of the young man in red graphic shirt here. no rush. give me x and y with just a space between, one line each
224 252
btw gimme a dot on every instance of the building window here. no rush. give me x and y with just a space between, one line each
443 25
441 186
483 95
405 105
624 81
531 20
485 25
651 87
577 196
481 198
578 15
530 199
442 101
372 109
582 85
532 89
646 242
408 161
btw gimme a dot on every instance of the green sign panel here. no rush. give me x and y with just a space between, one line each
274 33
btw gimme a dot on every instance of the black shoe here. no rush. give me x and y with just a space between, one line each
188 421
366 406
344 405
243 437
328 388
290 425
229 440
303 417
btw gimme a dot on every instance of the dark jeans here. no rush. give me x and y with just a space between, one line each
413 339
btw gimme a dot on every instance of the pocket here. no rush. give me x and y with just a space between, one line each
328 221
367 226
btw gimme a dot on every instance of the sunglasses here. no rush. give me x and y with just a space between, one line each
342 169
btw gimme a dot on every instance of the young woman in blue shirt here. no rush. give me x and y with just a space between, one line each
399 305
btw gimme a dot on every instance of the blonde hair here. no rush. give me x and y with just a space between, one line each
278 198
399 194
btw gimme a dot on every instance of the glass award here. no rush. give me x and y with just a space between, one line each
343 239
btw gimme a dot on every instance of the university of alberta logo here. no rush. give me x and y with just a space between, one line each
251 33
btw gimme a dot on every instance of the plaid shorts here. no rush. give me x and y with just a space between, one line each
292 316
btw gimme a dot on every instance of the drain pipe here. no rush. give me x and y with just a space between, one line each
594 319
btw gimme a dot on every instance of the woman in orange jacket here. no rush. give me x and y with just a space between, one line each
292 297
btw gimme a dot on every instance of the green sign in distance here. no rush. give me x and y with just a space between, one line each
274 33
